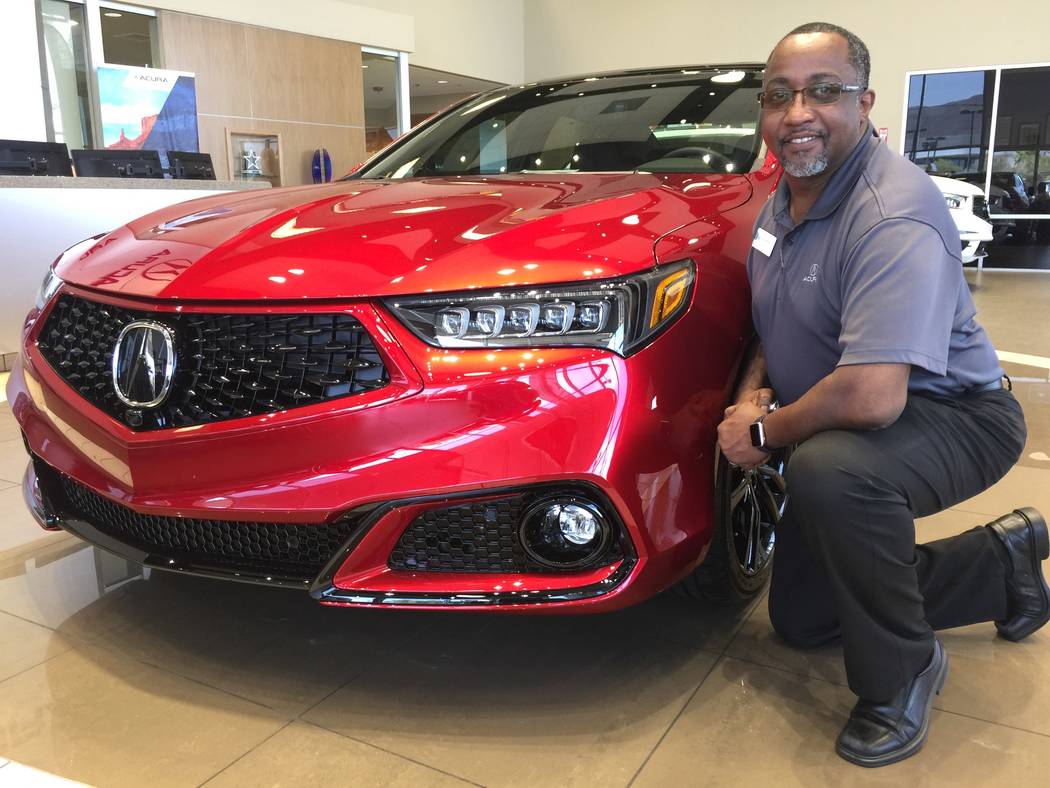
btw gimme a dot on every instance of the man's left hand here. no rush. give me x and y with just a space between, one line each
734 435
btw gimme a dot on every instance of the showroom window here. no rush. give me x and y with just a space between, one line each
387 114
948 118
957 121
65 57
129 37
77 36
990 127
433 91
1021 153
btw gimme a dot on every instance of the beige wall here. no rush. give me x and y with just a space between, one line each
903 35
253 79
476 38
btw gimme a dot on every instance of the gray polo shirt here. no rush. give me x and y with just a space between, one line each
872 275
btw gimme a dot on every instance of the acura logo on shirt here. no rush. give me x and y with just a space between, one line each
812 277
144 364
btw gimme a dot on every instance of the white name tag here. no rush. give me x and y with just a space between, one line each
764 242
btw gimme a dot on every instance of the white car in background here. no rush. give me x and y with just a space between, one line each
969 209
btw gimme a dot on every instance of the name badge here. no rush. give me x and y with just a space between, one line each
764 242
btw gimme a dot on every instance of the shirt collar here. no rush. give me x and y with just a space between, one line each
838 186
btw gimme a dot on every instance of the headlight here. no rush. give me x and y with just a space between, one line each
616 314
954 201
47 289
51 281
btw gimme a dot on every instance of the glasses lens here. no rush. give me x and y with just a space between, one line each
824 93
776 99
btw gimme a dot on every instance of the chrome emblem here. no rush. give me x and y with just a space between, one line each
144 364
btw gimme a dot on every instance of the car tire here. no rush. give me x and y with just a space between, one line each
748 505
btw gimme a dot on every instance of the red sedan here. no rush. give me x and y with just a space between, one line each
484 371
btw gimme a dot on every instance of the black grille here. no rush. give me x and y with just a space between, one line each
980 206
227 365
290 551
474 537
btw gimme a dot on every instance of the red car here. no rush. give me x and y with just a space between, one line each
483 371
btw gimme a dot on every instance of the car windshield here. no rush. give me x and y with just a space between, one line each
689 121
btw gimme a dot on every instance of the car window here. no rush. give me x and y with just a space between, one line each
685 123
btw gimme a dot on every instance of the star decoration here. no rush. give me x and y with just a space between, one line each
251 163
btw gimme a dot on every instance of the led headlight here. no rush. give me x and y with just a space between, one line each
954 201
52 281
620 315
48 288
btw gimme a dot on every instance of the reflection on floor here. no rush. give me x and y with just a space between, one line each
113 676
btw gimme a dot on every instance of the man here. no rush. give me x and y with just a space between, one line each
892 395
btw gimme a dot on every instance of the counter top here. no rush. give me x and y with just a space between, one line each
66 182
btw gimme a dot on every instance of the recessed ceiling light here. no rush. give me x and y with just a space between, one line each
729 76
364 65
442 81
113 14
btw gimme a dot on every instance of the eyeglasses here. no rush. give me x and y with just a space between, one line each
820 93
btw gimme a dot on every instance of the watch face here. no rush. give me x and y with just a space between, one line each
758 435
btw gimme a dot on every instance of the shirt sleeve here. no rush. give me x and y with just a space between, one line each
898 297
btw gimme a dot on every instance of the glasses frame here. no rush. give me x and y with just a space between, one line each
843 88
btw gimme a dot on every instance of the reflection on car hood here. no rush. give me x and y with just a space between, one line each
361 238
953 186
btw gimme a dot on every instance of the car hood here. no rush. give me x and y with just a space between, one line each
954 186
361 238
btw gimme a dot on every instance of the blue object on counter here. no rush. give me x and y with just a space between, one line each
321 166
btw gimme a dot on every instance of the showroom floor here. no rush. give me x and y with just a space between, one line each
110 679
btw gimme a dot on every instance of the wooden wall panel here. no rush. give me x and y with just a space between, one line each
345 146
301 78
309 89
214 51
212 133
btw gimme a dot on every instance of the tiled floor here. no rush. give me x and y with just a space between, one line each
108 678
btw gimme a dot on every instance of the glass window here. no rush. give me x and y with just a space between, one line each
948 120
680 123
433 91
380 82
65 55
129 39
1019 162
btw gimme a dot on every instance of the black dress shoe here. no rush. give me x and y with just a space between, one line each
1024 534
881 733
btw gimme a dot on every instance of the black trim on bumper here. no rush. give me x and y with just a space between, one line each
39 497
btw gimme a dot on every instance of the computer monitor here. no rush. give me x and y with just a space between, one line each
190 165
117 164
25 157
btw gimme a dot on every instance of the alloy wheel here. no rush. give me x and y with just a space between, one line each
756 504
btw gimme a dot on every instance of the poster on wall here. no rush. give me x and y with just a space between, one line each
148 109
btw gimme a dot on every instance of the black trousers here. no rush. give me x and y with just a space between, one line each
846 560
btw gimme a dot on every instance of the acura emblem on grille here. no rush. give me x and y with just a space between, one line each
144 363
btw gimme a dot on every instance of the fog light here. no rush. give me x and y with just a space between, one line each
577 524
565 532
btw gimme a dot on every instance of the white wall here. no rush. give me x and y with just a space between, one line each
22 104
476 38
903 35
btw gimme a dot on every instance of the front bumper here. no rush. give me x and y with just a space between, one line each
51 508
459 425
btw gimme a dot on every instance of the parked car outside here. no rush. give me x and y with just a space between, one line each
1007 195
969 209
485 371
